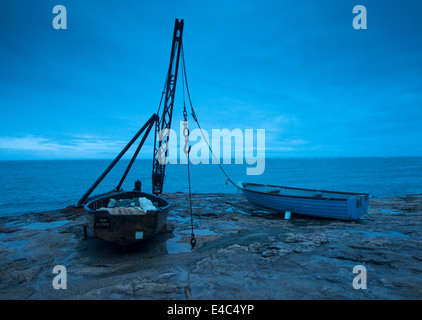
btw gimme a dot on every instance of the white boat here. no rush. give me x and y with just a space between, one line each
309 202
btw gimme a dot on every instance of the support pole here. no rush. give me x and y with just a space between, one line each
134 156
153 118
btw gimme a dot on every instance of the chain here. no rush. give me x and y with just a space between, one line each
186 150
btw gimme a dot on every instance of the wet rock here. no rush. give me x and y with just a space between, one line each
241 253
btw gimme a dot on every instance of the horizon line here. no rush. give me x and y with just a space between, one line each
221 160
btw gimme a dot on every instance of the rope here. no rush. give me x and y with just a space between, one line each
367 214
197 122
192 239
187 149
185 80
186 134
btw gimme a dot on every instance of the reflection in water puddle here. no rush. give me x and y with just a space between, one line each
390 211
181 241
179 219
174 245
37 225
14 224
45 225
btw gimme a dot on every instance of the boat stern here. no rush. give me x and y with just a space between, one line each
358 206
124 229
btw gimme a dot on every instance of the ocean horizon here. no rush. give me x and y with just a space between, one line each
41 185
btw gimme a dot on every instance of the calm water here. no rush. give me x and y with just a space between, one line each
34 186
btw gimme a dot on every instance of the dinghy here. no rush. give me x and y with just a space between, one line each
128 224
141 215
309 202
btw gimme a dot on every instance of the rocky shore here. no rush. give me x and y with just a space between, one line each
241 253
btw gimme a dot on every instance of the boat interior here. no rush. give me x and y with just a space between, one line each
104 201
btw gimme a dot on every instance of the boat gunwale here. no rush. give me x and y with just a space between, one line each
92 211
117 233
366 195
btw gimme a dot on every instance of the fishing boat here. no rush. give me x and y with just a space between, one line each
125 228
309 202
127 224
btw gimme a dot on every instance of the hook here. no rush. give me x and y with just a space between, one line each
193 241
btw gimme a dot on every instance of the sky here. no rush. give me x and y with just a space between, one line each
297 69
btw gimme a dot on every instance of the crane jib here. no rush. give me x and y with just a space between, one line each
164 122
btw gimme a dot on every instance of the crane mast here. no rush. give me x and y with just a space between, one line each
163 124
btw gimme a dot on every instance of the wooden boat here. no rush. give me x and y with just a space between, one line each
127 225
309 202
125 229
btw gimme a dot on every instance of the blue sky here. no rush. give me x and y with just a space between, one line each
297 69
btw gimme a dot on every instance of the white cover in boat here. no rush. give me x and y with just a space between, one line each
129 206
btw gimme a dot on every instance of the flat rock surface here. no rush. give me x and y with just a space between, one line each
241 253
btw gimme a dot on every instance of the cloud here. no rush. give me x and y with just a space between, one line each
298 70
28 143
73 147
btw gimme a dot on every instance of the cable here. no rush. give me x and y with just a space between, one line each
197 122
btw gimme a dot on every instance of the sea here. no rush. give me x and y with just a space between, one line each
43 185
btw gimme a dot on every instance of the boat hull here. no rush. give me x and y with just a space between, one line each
128 228
309 202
